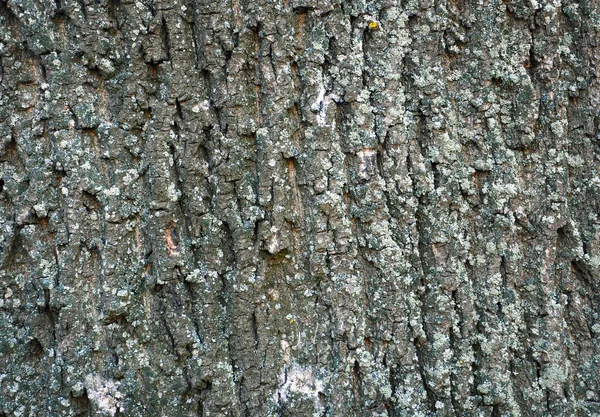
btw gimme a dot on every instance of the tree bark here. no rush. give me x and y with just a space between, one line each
299 208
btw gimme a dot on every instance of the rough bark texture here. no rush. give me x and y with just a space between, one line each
299 208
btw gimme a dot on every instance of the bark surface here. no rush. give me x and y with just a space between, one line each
299 208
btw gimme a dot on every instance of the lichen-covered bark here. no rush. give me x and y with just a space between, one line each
299 208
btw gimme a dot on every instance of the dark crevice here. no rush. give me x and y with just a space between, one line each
8 14
179 111
426 258
280 406
195 42
454 347
227 53
583 275
436 174
175 351
503 271
323 403
226 299
255 330
431 395
83 9
34 348
389 406
114 11
51 314
43 72
166 39
357 388
90 201
10 153
368 343
475 368
272 60
302 10
81 404
531 64
114 319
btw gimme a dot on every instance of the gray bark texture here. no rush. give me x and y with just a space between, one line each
299 208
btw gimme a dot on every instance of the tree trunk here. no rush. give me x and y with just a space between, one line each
299 208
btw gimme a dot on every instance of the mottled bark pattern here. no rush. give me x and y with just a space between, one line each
299 208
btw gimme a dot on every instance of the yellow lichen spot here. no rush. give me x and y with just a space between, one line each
461 362
292 321
373 25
